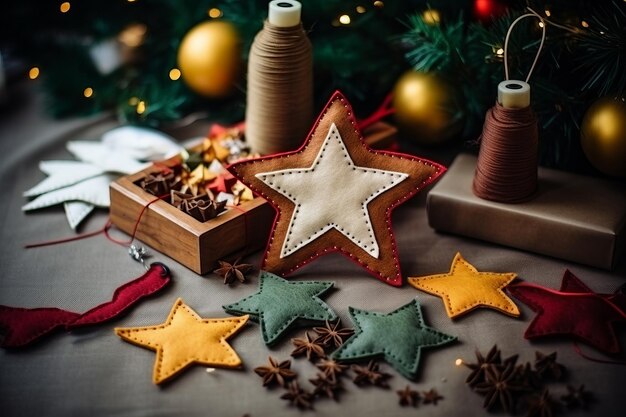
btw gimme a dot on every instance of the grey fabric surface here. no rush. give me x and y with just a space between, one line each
94 372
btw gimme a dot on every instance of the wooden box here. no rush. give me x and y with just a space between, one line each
198 246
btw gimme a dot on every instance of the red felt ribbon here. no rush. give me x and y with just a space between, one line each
24 326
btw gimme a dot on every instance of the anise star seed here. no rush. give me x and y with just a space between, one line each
311 348
332 334
370 375
577 397
498 387
331 367
547 366
407 397
480 367
277 373
233 271
431 397
326 386
297 396
541 405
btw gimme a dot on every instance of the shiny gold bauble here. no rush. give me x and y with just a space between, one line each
425 108
603 136
209 58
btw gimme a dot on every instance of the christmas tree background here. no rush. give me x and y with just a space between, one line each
360 47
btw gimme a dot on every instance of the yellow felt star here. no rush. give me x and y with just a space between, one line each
186 338
464 289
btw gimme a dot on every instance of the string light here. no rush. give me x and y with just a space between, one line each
541 24
141 107
344 19
379 4
500 52
133 35
584 24
65 7
214 13
88 92
431 17
361 9
548 13
33 73
174 74
458 362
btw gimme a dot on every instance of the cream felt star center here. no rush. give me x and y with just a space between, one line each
186 338
333 193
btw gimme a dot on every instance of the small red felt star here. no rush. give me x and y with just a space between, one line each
335 194
575 311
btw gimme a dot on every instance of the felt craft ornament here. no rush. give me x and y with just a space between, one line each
574 311
398 337
24 326
335 194
464 288
186 338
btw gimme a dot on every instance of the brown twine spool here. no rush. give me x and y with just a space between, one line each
507 164
279 109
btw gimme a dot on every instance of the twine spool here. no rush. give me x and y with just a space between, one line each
506 171
279 110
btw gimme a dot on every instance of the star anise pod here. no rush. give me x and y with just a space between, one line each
326 386
577 397
527 377
311 348
541 405
407 397
233 271
331 334
431 396
297 396
370 375
498 387
331 367
480 367
547 366
276 373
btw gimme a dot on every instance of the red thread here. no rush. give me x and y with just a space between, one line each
506 171
384 110
597 360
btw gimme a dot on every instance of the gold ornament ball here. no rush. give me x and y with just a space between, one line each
603 136
209 58
425 108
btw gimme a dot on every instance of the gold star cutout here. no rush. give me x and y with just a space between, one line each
186 338
464 289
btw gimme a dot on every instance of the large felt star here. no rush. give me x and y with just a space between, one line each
279 304
186 338
335 194
574 311
464 289
398 337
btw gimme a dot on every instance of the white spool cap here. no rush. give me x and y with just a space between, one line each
514 94
284 13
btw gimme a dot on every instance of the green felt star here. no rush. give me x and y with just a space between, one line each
398 337
280 303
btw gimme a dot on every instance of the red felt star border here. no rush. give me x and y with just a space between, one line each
420 172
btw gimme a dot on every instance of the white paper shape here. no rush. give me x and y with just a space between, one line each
343 206
76 212
62 174
93 190
102 156
141 143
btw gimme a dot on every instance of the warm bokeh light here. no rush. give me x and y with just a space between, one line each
88 92
500 52
65 7
360 9
214 13
174 74
379 4
458 362
141 107
33 73
133 35
133 101
548 13
344 19
584 24
431 17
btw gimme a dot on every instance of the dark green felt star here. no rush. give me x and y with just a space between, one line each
280 303
398 337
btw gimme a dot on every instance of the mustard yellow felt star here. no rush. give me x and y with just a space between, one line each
186 338
464 289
